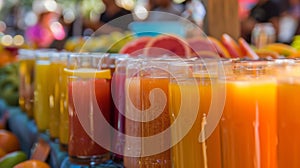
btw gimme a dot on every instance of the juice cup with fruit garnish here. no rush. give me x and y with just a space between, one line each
193 82
89 96
288 115
43 81
26 74
249 121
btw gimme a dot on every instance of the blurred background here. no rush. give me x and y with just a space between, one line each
63 24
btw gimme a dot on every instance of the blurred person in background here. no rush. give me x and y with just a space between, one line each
167 6
45 31
109 22
265 11
289 22
194 11
112 11
294 8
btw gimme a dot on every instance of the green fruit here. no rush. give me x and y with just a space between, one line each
9 87
11 98
10 69
118 44
12 159
8 82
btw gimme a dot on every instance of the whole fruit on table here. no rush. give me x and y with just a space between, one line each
9 84
6 57
281 49
2 152
32 164
9 141
12 159
9 69
9 90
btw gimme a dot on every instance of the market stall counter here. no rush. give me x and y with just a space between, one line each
26 131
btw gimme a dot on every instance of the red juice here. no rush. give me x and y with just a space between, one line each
118 94
82 147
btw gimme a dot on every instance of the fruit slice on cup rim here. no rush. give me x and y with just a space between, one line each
167 44
89 73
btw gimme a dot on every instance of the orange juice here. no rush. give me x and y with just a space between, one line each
43 79
248 125
138 92
26 73
288 124
189 152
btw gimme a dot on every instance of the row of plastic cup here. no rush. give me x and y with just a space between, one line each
170 112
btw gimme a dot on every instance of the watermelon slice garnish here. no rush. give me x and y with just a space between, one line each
220 47
231 46
168 45
245 47
202 47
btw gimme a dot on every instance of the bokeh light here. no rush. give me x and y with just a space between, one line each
40 6
30 18
57 30
178 1
94 15
69 16
1 4
7 40
141 12
50 5
127 4
18 40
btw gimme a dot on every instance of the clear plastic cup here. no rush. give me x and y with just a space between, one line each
26 75
89 97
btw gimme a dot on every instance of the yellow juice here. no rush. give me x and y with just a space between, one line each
189 152
249 124
42 92
288 124
56 69
64 112
26 73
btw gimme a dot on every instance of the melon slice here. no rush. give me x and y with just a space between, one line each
223 52
245 47
205 47
168 45
231 45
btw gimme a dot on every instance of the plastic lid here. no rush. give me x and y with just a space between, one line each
59 56
26 54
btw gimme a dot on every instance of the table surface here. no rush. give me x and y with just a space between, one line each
26 131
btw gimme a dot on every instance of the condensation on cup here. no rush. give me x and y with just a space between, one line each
263 34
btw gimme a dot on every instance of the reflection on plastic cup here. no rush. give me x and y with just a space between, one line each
26 74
